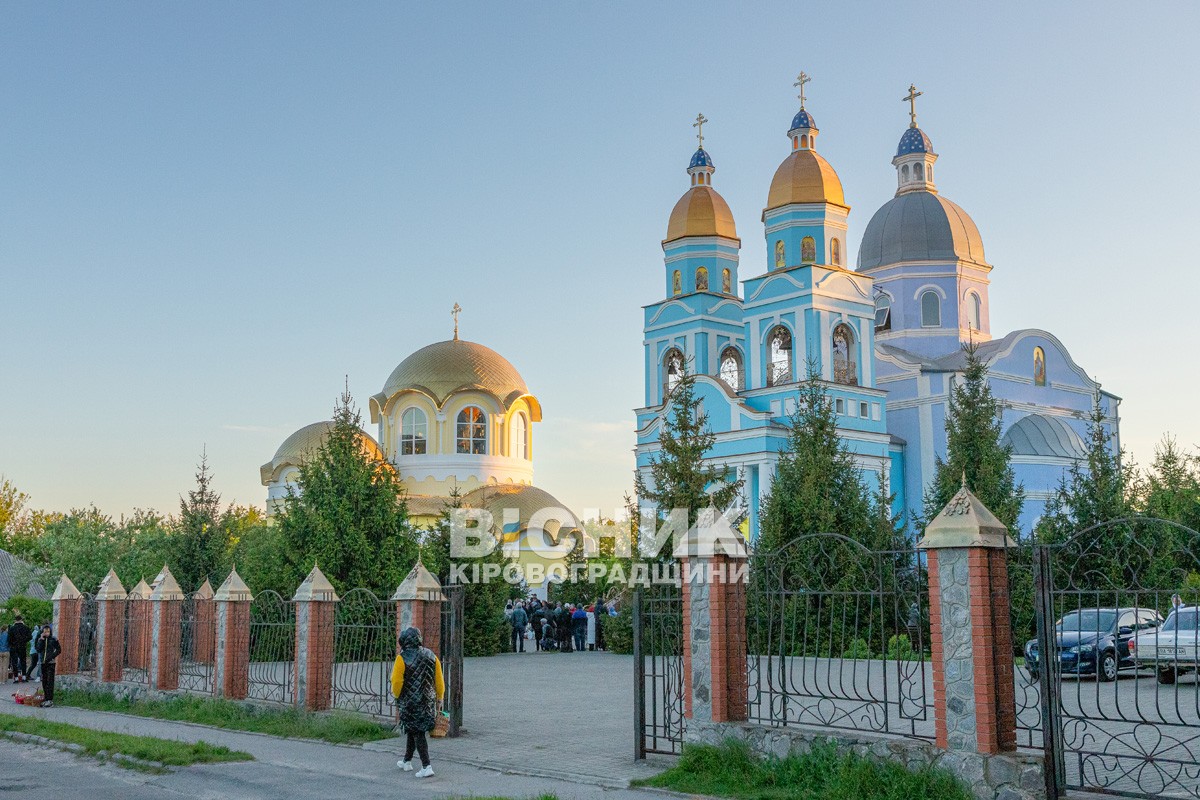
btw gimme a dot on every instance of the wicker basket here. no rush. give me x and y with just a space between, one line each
441 727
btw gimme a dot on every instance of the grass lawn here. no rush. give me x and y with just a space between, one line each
732 770
164 751
288 722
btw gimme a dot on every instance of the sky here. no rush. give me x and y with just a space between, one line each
214 214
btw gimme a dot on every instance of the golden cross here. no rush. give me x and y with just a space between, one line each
913 94
699 126
454 312
800 81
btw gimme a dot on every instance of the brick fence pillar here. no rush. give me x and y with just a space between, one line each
970 629
68 608
166 614
419 600
137 626
231 668
316 606
110 629
204 629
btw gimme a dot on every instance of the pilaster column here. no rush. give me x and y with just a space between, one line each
68 608
419 600
970 629
110 629
316 604
166 613
231 668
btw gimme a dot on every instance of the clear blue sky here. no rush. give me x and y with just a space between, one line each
212 212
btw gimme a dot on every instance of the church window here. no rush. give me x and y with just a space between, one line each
471 433
864 410
918 172
726 281
974 311
672 371
904 173
839 406
804 141
835 252
845 370
779 366
702 279
931 310
808 249
1039 367
883 313
676 283
414 432
520 434
780 254
731 368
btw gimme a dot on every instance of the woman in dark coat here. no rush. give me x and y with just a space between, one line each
418 687
48 648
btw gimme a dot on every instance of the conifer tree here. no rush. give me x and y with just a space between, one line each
974 450
348 515
201 538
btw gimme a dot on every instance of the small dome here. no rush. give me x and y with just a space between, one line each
919 226
805 177
701 158
302 444
700 212
443 368
527 500
802 120
914 140
1038 435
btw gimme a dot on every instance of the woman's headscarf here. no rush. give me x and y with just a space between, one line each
410 637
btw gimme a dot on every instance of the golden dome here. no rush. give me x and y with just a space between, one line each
302 444
443 368
805 177
700 212
528 501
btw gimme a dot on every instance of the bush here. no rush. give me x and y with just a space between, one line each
858 649
33 610
618 631
899 648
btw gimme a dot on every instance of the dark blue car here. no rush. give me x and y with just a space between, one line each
1095 641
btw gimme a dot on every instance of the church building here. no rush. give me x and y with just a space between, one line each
885 338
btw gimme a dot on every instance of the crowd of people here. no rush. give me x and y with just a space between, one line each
31 654
561 627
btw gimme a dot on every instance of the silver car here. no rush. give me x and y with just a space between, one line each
1173 649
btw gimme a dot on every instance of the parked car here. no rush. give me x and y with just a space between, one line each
1095 641
1173 649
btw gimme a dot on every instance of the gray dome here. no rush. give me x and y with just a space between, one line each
1037 435
919 226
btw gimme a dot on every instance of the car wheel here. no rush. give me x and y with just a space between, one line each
1108 667
1167 676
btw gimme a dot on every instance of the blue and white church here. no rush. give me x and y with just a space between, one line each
885 338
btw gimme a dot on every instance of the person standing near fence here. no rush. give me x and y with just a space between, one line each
418 687
48 648
18 644
518 621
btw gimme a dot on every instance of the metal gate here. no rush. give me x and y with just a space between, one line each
197 643
88 615
272 648
364 648
658 669
451 654
1117 609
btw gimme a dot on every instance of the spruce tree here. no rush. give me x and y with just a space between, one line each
679 474
201 538
348 515
974 450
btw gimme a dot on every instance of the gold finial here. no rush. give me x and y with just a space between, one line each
802 79
699 126
913 94
454 312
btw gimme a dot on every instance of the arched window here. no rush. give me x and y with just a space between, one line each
414 432
808 249
780 255
672 371
904 173
676 283
931 310
701 279
803 141
726 281
471 433
845 370
520 434
1039 367
918 171
883 313
779 356
731 368
835 252
974 311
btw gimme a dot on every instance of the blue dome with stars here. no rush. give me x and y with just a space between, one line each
803 120
701 159
914 140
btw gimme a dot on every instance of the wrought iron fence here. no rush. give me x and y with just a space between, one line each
88 621
138 637
837 637
272 648
451 649
1027 694
658 669
364 647
197 642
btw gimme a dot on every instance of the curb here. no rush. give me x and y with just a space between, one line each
78 750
